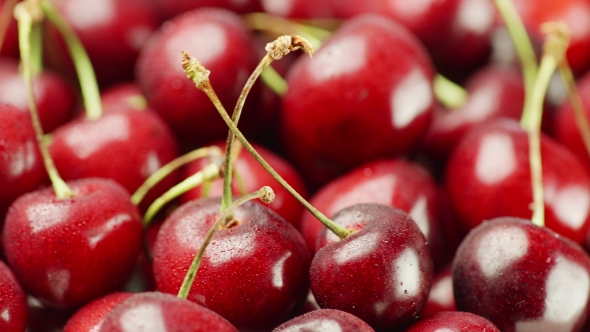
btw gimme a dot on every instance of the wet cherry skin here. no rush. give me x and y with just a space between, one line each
441 296
380 273
453 321
522 277
14 302
488 176
89 318
255 273
365 94
325 320
163 312
67 252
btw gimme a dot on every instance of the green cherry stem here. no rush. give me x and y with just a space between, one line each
84 69
36 48
274 81
200 76
26 14
265 194
449 93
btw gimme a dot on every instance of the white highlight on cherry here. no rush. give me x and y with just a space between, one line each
318 325
356 248
277 7
419 213
96 234
499 248
14 92
205 43
151 164
86 14
410 98
407 274
442 291
476 16
87 138
45 215
495 158
277 271
144 317
368 191
570 204
59 282
415 8
22 160
343 56
225 249
5 315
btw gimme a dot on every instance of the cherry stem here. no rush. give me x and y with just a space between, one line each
265 194
200 76
211 151
26 14
274 81
82 63
36 48
449 93
5 17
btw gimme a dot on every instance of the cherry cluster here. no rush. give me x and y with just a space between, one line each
294 165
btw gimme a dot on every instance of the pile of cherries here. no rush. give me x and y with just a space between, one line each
428 191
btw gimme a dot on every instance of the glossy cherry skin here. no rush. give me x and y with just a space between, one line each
255 274
90 317
251 177
170 8
488 175
395 182
325 320
522 277
54 96
67 252
221 42
453 321
21 166
365 94
14 302
163 312
10 45
441 296
111 31
380 273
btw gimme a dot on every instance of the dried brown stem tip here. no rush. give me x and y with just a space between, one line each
285 44
557 40
31 8
194 69
269 195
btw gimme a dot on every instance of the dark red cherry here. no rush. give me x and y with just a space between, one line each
251 176
453 321
170 8
522 277
163 312
441 296
365 94
43 318
380 273
488 176
90 317
219 39
325 320
13 307
67 252
9 46
254 273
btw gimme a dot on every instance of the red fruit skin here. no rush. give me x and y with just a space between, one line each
253 177
365 94
263 260
170 8
14 302
21 166
90 317
441 296
453 321
488 176
325 320
9 46
381 273
522 277
54 96
67 252
395 182
163 312
222 43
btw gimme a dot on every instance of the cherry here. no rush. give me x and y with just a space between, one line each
380 273
54 96
222 42
170 8
90 317
43 318
13 307
453 321
254 273
365 94
251 176
522 277
325 320
163 312
69 251
9 44
488 175
441 294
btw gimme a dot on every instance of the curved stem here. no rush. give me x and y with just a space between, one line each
278 26
84 69
210 172
265 193
170 167
25 23
274 81
576 102
449 93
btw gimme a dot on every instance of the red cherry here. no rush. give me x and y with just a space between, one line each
325 320
10 45
381 273
90 317
170 8
13 307
163 312
67 252
441 294
522 277
453 321
365 94
254 273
